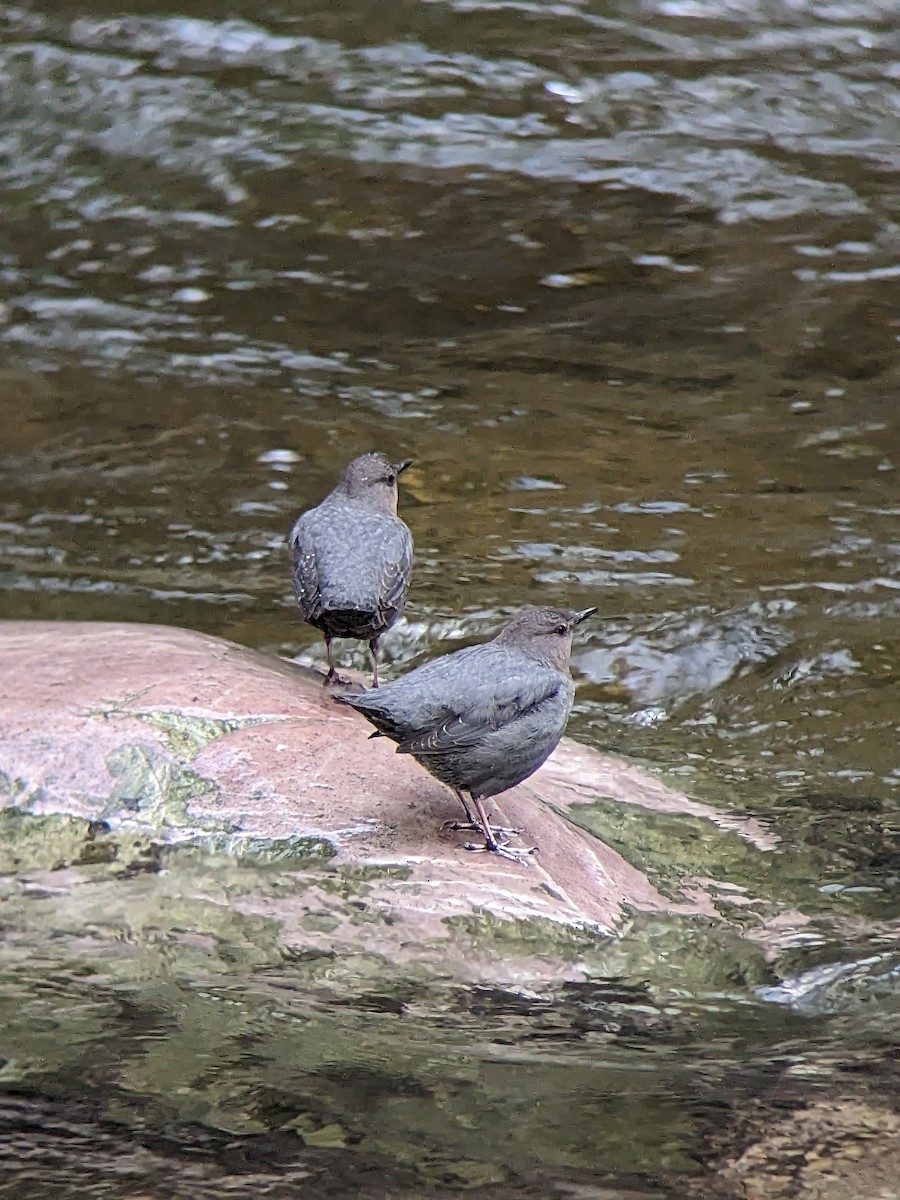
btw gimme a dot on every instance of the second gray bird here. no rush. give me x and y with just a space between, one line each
352 557
484 718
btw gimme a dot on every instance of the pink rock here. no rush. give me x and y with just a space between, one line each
192 737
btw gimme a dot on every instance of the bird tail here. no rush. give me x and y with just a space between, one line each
384 725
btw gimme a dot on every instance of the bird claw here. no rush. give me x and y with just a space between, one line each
514 853
333 679
465 825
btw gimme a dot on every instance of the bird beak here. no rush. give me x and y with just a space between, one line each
400 467
583 615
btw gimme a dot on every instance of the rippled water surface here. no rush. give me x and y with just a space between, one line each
621 278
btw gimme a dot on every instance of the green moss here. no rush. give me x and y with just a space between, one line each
156 789
23 795
321 922
536 935
183 734
290 852
360 913
681 955
363 871
666 846
461 1173
334 883
671 847
332 1136
11 789
57 841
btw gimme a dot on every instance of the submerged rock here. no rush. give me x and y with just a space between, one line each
130 750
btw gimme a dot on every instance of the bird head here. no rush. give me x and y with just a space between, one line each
372 479
544 634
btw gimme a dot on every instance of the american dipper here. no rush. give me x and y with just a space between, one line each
352 557
483 719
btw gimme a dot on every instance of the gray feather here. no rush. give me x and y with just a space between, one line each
481 719
347 558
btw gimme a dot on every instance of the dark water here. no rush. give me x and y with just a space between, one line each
622 279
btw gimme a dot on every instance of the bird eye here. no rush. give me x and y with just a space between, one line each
561 629
391 479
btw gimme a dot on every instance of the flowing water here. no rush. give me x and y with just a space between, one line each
622 279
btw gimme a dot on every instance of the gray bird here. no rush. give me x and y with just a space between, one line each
483 719
352 557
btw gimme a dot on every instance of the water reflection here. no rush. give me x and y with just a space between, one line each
197 1037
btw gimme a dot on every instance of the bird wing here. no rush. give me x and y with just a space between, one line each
305 567
326 566
481 709
396 572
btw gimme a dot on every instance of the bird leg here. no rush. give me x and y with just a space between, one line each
491 845
332 674
471 822
373 655
461 798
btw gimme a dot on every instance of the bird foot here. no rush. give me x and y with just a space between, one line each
514 853
333 679
498 829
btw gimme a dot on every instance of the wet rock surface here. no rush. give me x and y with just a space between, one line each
840 1144
127 748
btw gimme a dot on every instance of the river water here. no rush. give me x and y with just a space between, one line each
622 279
